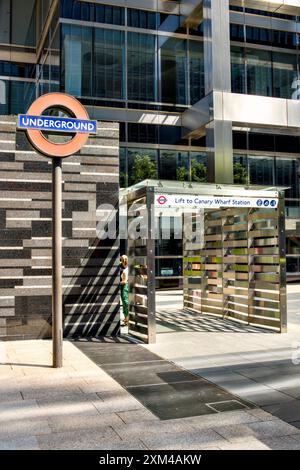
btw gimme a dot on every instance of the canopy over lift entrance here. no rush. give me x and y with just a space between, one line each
234 263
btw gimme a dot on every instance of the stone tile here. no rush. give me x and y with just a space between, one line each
261 415
65 406
272 428
71 398
17 427
18 410
10 396
293 392
78 440
235 432
138 430
183 441
24 443
121 445
50 392
100 386
245 444
148 373
281 443
183 399
136 416
289 411
263 396
119 400
83 422
220 419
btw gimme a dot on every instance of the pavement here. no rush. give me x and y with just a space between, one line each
256 365
80 406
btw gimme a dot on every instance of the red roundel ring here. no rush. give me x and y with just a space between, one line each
161 200
67 103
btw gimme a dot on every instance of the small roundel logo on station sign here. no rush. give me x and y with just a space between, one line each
162 200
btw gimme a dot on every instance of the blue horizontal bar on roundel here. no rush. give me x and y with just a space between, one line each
56 124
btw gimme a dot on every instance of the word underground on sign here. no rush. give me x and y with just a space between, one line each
56 124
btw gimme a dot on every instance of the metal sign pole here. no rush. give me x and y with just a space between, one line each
57 323
34 122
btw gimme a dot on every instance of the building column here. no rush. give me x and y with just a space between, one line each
217 70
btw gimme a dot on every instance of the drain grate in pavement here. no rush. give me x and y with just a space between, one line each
165 389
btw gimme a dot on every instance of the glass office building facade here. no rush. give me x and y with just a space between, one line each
176 75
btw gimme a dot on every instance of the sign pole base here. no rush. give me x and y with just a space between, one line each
57 323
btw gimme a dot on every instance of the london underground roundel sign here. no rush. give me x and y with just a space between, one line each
35 123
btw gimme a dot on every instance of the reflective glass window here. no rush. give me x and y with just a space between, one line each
240 169
259 72
285 39
237 32
5 6
285 75
123 168
146 133
259 35
21 96
4 96
170 23
173 55
23 22
198 167
284 143
260 141
141 18
109 64
196 65
142 164
110 14
168 267
16 69
292 208
141 67
292 264
171 135
90 12
239 140
173 165
77 60
196 30
287 174
16 96
261 170
77 10
238 70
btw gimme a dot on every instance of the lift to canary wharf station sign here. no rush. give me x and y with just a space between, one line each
36 125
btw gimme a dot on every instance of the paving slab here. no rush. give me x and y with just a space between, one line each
116 401
83 422
89 420
18 428
289 411
248 443
137 416
226 418
184 441
90 439
23 443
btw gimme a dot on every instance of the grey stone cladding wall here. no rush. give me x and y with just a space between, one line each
90 266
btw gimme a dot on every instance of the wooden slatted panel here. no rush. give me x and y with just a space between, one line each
237 273
264 274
